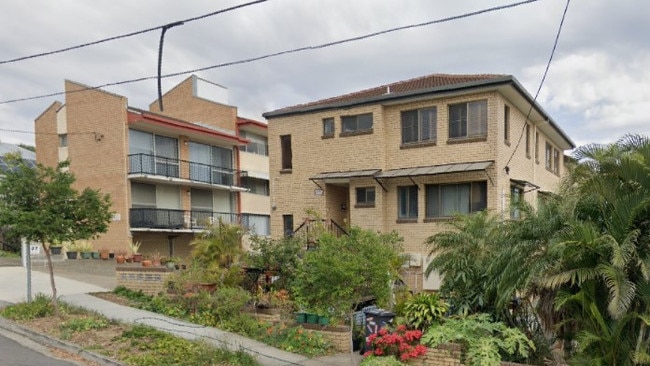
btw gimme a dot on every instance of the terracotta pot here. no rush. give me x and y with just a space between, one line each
103 255
120 259
146 263
137 258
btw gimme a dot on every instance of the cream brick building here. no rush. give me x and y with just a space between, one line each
408 155
169 173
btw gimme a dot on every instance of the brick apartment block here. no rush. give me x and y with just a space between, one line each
408 155
169 173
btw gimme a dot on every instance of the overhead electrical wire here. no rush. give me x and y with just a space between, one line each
548 65
42 54
280 53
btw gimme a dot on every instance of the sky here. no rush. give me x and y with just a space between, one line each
597 87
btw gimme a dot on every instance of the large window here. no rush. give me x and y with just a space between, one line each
365 196
407 201
153 154
287 156
143 195
444 200
328 127
468 119
419 125
358 123
257 224
258 144
211 164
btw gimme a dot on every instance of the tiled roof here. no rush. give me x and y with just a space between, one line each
401 87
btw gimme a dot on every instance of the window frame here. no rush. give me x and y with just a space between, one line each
433 214
516 197
364 192
409 216
527 128
548 157
506 124
63 140
355 118
286 154
418 126
556 161
329 122
464 123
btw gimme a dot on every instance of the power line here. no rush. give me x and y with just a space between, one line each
548 65
280 53
130 34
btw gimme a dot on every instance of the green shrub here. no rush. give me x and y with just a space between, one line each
230 301
40 307
423 310
296 339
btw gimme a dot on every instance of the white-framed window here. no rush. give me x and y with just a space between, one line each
445 200
419 125
256 185
549 157
257 224
63 140
407 202
258 144
356 123
516 195
468 119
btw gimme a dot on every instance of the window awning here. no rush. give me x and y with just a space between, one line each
344 175
434 169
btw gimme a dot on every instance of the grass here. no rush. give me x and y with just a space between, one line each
131 344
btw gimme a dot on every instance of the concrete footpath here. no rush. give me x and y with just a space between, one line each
74 289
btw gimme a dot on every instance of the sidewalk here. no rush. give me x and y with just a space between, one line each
73 289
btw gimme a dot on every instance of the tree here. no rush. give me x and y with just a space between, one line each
39 204
342 271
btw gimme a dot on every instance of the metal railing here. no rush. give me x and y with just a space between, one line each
310 229
168 219
175 168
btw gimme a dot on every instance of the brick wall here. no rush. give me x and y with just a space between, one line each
46 137
292 192
180 102
149 280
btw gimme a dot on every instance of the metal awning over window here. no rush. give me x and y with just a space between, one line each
434 169
525 183
345 175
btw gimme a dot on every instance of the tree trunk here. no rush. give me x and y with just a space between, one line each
46 249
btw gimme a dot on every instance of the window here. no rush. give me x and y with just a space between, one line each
506 124
556 161
407 201
444 200
366 196
63 140
256 185
211 164
358 123
419 125
143 195
527 140
287 224
285 146
549 157
257 224
153 154
537 147
258 144
328 127
515 200
468 119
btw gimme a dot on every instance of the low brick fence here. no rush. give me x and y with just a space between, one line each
338 336
446 355
149 280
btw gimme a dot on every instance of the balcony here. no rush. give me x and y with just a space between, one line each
157 168
159 219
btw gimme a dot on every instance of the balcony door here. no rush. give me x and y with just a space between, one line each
153 154
211 164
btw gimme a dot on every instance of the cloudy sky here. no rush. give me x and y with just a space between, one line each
594 90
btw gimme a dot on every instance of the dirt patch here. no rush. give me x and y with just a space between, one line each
112 297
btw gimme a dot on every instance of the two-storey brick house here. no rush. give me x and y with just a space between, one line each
169 172
409 155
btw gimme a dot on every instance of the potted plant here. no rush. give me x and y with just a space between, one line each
71 249
134 247
85 248
172 262
146 261
156 258
55 248
103 253
120 256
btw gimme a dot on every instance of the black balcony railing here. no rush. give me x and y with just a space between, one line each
159 218
167 167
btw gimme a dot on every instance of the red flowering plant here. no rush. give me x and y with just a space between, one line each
403 344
